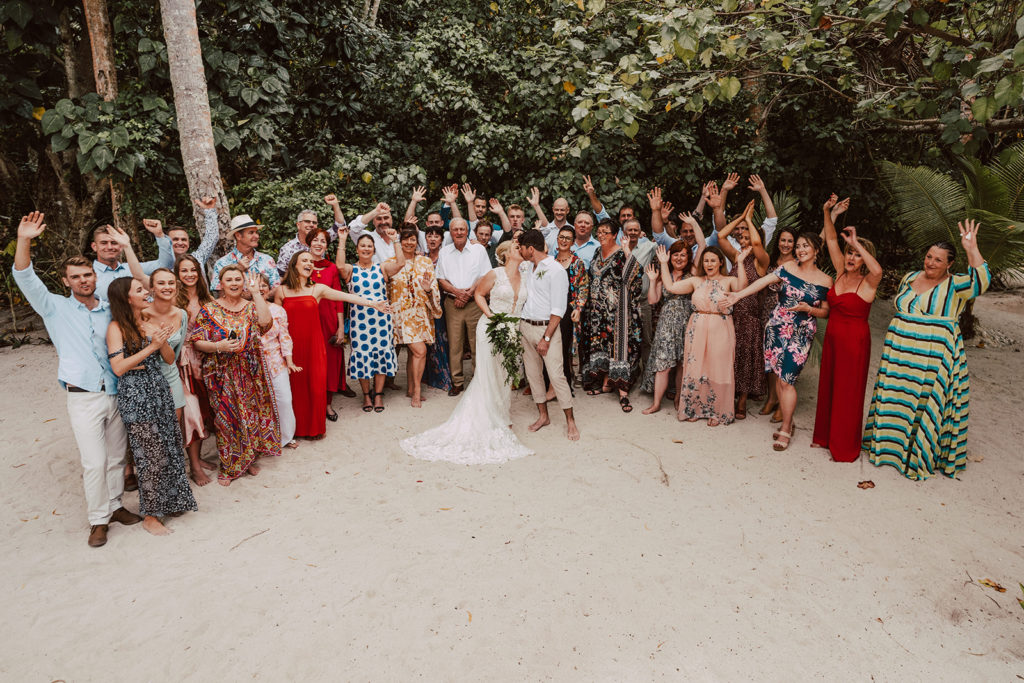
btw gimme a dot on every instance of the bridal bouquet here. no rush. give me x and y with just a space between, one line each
503 333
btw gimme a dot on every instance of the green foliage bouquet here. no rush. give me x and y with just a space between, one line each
503 333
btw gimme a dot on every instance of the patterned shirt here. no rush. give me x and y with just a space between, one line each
261 264
277 342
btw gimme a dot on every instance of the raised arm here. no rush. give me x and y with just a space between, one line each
833 208
340 255
534 201
165 253
740 279
469 194
122 238
331 200
595 203
728 184
654 291
263 317
684 286
499 211
450 196
699 210
763 260
654 199
390 267
874 275
753 288
419 193
322 291
723 234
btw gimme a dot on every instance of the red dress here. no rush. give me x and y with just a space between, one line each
845 356
329 310
309 387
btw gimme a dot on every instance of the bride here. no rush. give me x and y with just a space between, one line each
477 433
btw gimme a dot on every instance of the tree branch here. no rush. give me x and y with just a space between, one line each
936 126
912 30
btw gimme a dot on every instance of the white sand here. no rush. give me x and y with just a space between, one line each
625 557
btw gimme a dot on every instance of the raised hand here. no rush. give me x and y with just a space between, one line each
119 236
426 282
534 198
419 193
705 189
413 220
153 226
495 205
748 212
538 224
331 200
840 208
830 202
666 210
654 199
662 254
714 198
651 272
730 182
969 234
755 183
742 256
850 235
688 218
588 186
450 194
206 202
468 193
252 281
31 226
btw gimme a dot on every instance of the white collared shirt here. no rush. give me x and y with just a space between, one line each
547 290
463 268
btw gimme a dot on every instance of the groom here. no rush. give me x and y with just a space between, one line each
547 290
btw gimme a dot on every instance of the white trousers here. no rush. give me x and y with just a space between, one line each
285 414
102 441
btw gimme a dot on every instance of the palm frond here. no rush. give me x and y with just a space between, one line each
1001 242
985 189
926 204
1010 169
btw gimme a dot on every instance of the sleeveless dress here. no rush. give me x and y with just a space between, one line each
329 311
669 344
147 409
371 332
918 417
788 335
845 356
309 387
477 432
749 325
708 380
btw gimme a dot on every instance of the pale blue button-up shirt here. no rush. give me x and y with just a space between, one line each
105 274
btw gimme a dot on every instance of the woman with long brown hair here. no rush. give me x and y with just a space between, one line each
332 313
136 345
197 415
669 343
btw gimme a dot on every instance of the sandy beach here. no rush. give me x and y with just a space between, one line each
650 550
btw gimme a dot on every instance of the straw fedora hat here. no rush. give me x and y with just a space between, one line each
241 222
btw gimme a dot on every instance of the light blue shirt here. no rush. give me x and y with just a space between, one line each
78 334
105 274
585 251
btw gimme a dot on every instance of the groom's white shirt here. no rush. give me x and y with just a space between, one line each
547 290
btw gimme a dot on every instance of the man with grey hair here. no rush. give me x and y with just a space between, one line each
304 224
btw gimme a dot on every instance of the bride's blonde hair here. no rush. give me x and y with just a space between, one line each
500 254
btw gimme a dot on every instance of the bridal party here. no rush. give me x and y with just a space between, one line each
699 315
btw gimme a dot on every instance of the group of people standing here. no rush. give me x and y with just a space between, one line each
153 362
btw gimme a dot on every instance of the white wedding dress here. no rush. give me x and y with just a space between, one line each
477 432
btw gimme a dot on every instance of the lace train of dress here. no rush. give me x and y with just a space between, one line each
477 432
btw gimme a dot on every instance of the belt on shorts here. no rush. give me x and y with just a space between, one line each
79 390
536 323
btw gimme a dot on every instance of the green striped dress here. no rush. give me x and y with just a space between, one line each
918 417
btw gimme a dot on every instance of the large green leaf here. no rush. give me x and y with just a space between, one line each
926 204
1010 169
985 189
1001 242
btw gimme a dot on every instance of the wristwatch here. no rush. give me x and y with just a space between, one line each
547 338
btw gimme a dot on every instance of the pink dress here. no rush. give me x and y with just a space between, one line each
708 388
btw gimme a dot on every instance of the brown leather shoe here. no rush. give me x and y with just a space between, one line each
455 391
98 536
123 516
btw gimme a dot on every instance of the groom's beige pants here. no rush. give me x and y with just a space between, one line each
552 360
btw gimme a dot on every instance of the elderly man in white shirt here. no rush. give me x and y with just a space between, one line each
460 265
547 290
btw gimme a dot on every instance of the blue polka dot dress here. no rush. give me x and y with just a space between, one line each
371 333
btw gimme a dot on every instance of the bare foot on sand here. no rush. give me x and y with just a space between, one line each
153 526
199 477
541 422
209 467
292 444
223 481
416 402
253 470
573 433
651 410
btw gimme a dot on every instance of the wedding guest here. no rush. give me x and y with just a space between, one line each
370 328
846 351
579 288
781 253
108 264
305 224
146 405
438 373
227 334
300 297
667 349
706 389
599 316
246 234
179 236
459 267
415 304
547 287
384 235
747 314
917 422
792 326
276 343
197 416
632 313
77 326
332 313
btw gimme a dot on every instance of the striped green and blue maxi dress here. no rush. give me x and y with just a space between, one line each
918 417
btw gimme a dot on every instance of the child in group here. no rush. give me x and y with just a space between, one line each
277 351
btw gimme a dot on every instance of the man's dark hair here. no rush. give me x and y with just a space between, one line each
434 230
532 238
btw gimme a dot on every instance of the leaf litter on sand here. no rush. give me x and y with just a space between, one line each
867 484
992 584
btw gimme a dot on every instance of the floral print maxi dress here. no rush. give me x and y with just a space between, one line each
599 316
708 381
788 335
413 309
